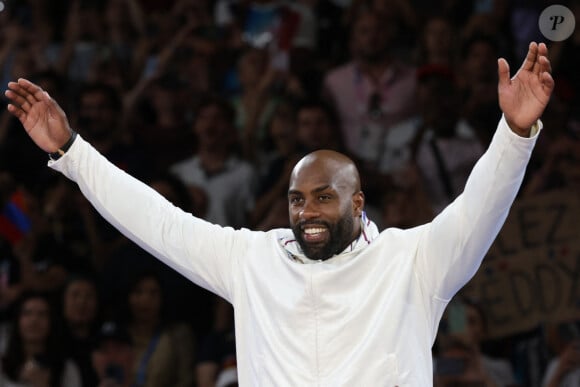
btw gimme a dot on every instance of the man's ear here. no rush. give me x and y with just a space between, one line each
358 203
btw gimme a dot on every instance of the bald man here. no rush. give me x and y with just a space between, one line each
331 302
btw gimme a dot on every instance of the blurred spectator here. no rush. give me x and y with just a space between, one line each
560 169
563 370
24 31
84 42
15 215
560 115
438 43
98 118
10 287
70 219
523 22
447 147
34 355
263 85
125 31
498 368
371 92
216 167
113 356
44 262
179 47
81 316
477 80
254 103
260 23
402 20
330 49
459 364
267 25
443 146
173 189
227 378
159 122
318 126
216 363
405 202
164 350
275 166
461 358
183 299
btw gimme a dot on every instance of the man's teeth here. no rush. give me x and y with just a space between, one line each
314 230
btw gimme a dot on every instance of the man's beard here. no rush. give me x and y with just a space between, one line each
340 236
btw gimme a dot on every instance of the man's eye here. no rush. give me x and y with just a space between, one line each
295 200
324 198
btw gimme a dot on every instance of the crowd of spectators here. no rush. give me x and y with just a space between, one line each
211 103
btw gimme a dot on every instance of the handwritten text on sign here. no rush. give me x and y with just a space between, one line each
532 272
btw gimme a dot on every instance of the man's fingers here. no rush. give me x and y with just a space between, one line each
542 49
18 100
20 93
545 63
33 93
16 111
503 72
531 57
537 66
547 82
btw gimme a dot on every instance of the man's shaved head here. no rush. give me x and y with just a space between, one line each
325 203
332 163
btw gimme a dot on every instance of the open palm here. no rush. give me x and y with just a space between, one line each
524 97
44 120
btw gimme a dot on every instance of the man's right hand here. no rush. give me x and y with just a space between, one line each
44 120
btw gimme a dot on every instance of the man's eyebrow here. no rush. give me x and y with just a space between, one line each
320 189
315 190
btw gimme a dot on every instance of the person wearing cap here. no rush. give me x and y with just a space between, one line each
113 356
329 301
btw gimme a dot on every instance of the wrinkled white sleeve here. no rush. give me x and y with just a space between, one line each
456 241
205 253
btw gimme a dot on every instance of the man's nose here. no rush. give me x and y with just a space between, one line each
309 211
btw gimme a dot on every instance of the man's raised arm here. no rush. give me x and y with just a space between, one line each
460 236
197 249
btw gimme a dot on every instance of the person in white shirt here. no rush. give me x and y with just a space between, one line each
564 370
330 301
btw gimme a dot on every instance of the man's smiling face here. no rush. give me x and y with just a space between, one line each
325 204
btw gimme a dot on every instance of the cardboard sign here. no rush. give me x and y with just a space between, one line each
532 272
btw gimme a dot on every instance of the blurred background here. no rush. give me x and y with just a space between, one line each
212 102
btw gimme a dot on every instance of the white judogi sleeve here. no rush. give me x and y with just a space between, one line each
452 249
207 254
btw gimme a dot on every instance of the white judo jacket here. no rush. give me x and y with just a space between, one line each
366 317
